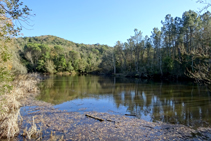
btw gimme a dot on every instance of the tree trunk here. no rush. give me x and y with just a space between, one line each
114 63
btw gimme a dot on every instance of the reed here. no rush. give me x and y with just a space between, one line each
33 131
10 105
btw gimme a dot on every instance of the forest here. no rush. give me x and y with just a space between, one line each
51 54
180 49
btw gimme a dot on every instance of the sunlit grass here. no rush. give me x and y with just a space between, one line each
10 106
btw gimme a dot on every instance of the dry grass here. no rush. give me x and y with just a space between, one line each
33 131
10 107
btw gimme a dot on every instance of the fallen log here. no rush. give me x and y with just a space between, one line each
100 119
110 120
130 115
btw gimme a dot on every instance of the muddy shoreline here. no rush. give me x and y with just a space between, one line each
55 124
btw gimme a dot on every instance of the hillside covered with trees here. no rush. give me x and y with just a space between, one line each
51 54
180 49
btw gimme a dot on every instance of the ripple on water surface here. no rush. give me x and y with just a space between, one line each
185 104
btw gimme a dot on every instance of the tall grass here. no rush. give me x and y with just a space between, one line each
10 90
10 106
33 131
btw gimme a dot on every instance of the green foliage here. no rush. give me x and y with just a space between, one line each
74 55
168 64
53 54
169 51
95 51
49 66
10 11
58 48
60 63
180 48
5 78
76 64
82 65
41 66
69 67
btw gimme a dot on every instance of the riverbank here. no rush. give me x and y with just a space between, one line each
10 103
61 125
53 124
155 77
41 121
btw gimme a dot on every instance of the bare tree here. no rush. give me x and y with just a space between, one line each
207 4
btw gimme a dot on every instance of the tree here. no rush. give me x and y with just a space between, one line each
201 66
41 66
156 39
119 55
148 47
33 53
74 58
137 38
107 63
82 65
168 31
69 67
206 3
201 71
49 66
45 52
191 25
14 10
60 63
10 10
131 49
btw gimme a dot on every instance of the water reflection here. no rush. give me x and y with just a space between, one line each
173 103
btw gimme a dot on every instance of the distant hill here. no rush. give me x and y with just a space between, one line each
54 40
46 39
80 57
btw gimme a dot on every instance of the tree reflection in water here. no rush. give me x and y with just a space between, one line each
172 103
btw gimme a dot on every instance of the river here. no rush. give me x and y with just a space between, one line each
177 103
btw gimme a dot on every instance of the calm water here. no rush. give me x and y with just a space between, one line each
186 104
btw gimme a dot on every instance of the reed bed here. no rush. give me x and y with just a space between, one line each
10 106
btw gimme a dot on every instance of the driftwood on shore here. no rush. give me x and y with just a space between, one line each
130 115
100 119
76 126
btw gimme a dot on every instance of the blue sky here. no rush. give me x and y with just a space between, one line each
101 21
